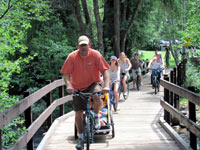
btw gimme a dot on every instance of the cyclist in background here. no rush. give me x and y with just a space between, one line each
154 57
114 72
136 67
156 63
81 71
125 66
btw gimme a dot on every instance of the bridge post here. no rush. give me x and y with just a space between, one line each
61 94
179 74
48 99
28 122
166 98
0 140
175 121
171 94
192 116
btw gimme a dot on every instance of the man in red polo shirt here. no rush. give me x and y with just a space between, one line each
81 71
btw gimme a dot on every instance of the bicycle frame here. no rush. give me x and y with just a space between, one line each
156 79
88 119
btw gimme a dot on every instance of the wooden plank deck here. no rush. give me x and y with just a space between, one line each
136 126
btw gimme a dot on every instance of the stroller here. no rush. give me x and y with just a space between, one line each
107 124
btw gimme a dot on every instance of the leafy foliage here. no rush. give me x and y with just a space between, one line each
12 132
192 76
15 21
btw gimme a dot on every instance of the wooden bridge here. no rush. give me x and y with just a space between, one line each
136 126
139 125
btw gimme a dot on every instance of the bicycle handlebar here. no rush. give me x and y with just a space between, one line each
79 93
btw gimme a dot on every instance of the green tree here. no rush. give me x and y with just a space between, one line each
15 21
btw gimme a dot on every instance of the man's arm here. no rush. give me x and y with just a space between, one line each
106 79
67 80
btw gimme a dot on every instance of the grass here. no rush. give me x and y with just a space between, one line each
149 55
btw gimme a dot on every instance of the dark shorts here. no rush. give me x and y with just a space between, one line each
80 104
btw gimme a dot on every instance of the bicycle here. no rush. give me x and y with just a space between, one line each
156 79
88 119
112 98
121 88
138 82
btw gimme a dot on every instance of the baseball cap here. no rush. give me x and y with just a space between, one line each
83 40
113 57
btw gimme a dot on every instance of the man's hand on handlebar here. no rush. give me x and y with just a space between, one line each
70 90
105 89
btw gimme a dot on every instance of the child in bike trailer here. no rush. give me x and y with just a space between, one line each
114 71
103 113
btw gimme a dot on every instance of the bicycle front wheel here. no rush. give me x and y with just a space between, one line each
127 94
138 83
155 85
88 134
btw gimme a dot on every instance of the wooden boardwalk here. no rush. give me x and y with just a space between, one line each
136 126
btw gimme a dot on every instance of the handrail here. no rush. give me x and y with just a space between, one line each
192 126
173 90
14 111
38 123
189 95
25 104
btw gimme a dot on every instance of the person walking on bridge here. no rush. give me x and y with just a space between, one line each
81 71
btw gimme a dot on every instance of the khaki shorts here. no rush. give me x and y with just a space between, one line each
80 104
134 72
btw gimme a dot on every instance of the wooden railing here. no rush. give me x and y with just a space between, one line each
172 91
24 106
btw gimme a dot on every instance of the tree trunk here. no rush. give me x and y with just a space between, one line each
78 15
108 24
85 10
117 27
124 12
173 53
99 26
87 19
124 35
183 17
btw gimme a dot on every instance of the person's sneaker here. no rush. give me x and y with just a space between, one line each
125 93
97 124
118 107
80 144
